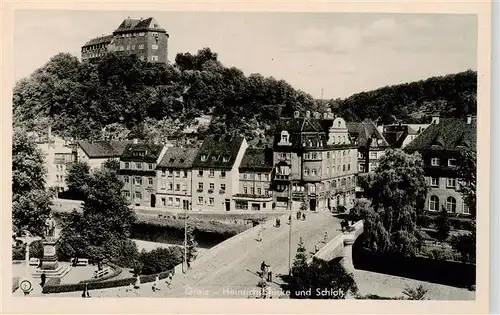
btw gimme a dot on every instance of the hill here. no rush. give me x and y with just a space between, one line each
452 95
121 96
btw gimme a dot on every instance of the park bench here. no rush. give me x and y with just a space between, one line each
34 261
102 273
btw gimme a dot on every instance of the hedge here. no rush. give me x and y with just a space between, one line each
50 287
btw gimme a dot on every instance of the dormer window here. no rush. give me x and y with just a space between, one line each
225 158
452 162
203 157
285 137
435 162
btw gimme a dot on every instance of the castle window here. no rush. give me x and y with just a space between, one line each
141 46
435 181
154 58
133 47
154 47
141 34
203 157
306 172
284 137
451 183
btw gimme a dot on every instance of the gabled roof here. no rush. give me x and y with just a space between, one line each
102 149
139 24
218 151
449 134
257 160
99 40
142 152
177 157
365 130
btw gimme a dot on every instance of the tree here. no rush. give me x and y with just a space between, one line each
101 232
298 281
78 179
30 201
443 224
361 206
397 190
112 165
467 171
465 244
321 279
191 252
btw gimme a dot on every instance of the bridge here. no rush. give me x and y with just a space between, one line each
230 269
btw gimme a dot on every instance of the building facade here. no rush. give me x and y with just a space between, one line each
255 180
144 38
59 155
440 146
138 172
314 163
95 153
215 172
174 178
370 142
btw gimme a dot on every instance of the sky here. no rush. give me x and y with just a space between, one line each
329 54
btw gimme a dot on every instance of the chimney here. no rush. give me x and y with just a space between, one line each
469 119
435 119
308 114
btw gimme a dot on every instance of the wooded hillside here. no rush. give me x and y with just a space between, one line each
123 96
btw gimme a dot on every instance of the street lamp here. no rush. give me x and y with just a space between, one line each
290 230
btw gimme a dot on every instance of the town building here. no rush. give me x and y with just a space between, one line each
255 180
95 153
315 162
144 38
138 172
370 142
440 146
174 177
58 156
215 172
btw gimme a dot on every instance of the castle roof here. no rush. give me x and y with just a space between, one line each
257 160
103 149
178 158
106 39
140 24
366 130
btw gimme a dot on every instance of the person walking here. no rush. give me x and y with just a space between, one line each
269 274
325 237
85 293
259 236
303 216
137 284
43 277
263 268
156 286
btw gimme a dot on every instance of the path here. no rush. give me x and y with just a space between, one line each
232 268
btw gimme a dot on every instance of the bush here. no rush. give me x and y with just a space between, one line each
19 252
160 259
56 287
36 249
15 283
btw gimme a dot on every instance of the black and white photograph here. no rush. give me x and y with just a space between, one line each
245 155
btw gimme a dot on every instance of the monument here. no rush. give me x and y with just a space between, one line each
49 263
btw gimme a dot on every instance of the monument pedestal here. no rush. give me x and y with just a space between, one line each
50 265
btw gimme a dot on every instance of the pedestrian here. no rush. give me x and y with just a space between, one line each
298 215
156 286
269 274
263 268
304 216
85 293
316 249
169 280
325 238
43 277
259 236
137 282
